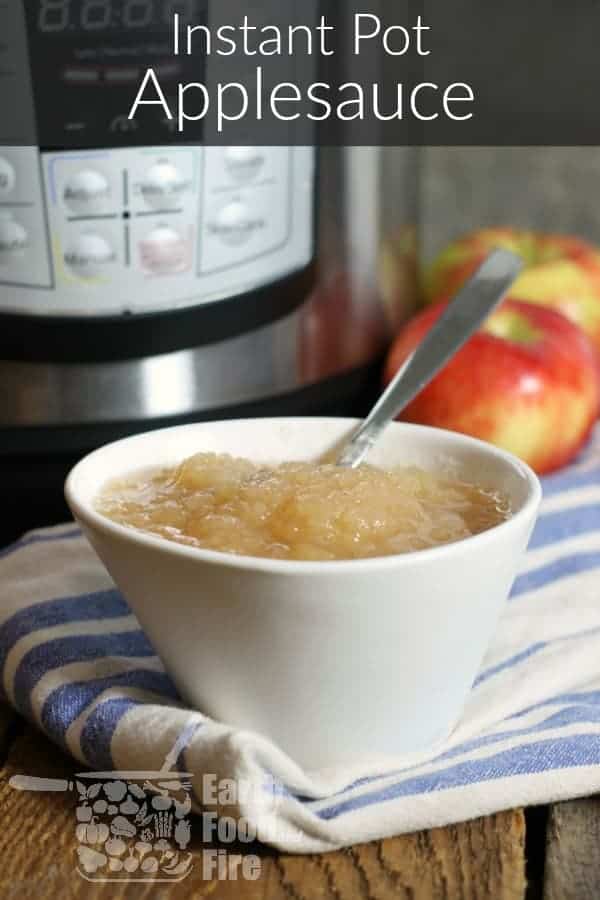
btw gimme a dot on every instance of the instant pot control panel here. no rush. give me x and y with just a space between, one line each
149 229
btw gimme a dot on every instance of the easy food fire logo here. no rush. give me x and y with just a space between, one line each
123 833
131 826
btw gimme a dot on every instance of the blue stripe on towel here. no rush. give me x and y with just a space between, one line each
542 756
510 662
97 733
74 648
591 698
30 539
183 741
557 569
569 715
62 611
66 703
531 650
587 463
565 523
571 481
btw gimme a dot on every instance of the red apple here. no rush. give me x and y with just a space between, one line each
527 381
560 272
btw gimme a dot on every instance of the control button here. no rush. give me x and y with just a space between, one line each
235 224
81 75
165 251
163 185
123 124
89 255
88 192
124 75
244 163
13 239
8 177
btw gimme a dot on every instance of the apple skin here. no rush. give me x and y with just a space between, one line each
561 272
528 382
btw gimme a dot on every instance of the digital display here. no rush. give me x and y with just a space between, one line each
69 16
88 58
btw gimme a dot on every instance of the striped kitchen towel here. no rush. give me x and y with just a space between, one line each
75 662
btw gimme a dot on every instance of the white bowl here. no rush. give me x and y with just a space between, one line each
333 661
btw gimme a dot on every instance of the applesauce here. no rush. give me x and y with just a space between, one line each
300 510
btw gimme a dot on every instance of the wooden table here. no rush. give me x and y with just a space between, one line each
550 854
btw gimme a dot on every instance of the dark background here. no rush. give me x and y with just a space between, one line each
534 67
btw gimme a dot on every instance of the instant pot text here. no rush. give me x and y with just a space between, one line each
253 96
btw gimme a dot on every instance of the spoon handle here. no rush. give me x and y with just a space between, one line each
462 317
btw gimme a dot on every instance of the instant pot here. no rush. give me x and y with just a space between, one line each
145 282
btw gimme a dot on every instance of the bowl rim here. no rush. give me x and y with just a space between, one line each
87 516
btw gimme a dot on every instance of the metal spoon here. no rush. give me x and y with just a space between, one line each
461 318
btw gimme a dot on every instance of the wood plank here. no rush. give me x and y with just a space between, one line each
573 851
481 859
